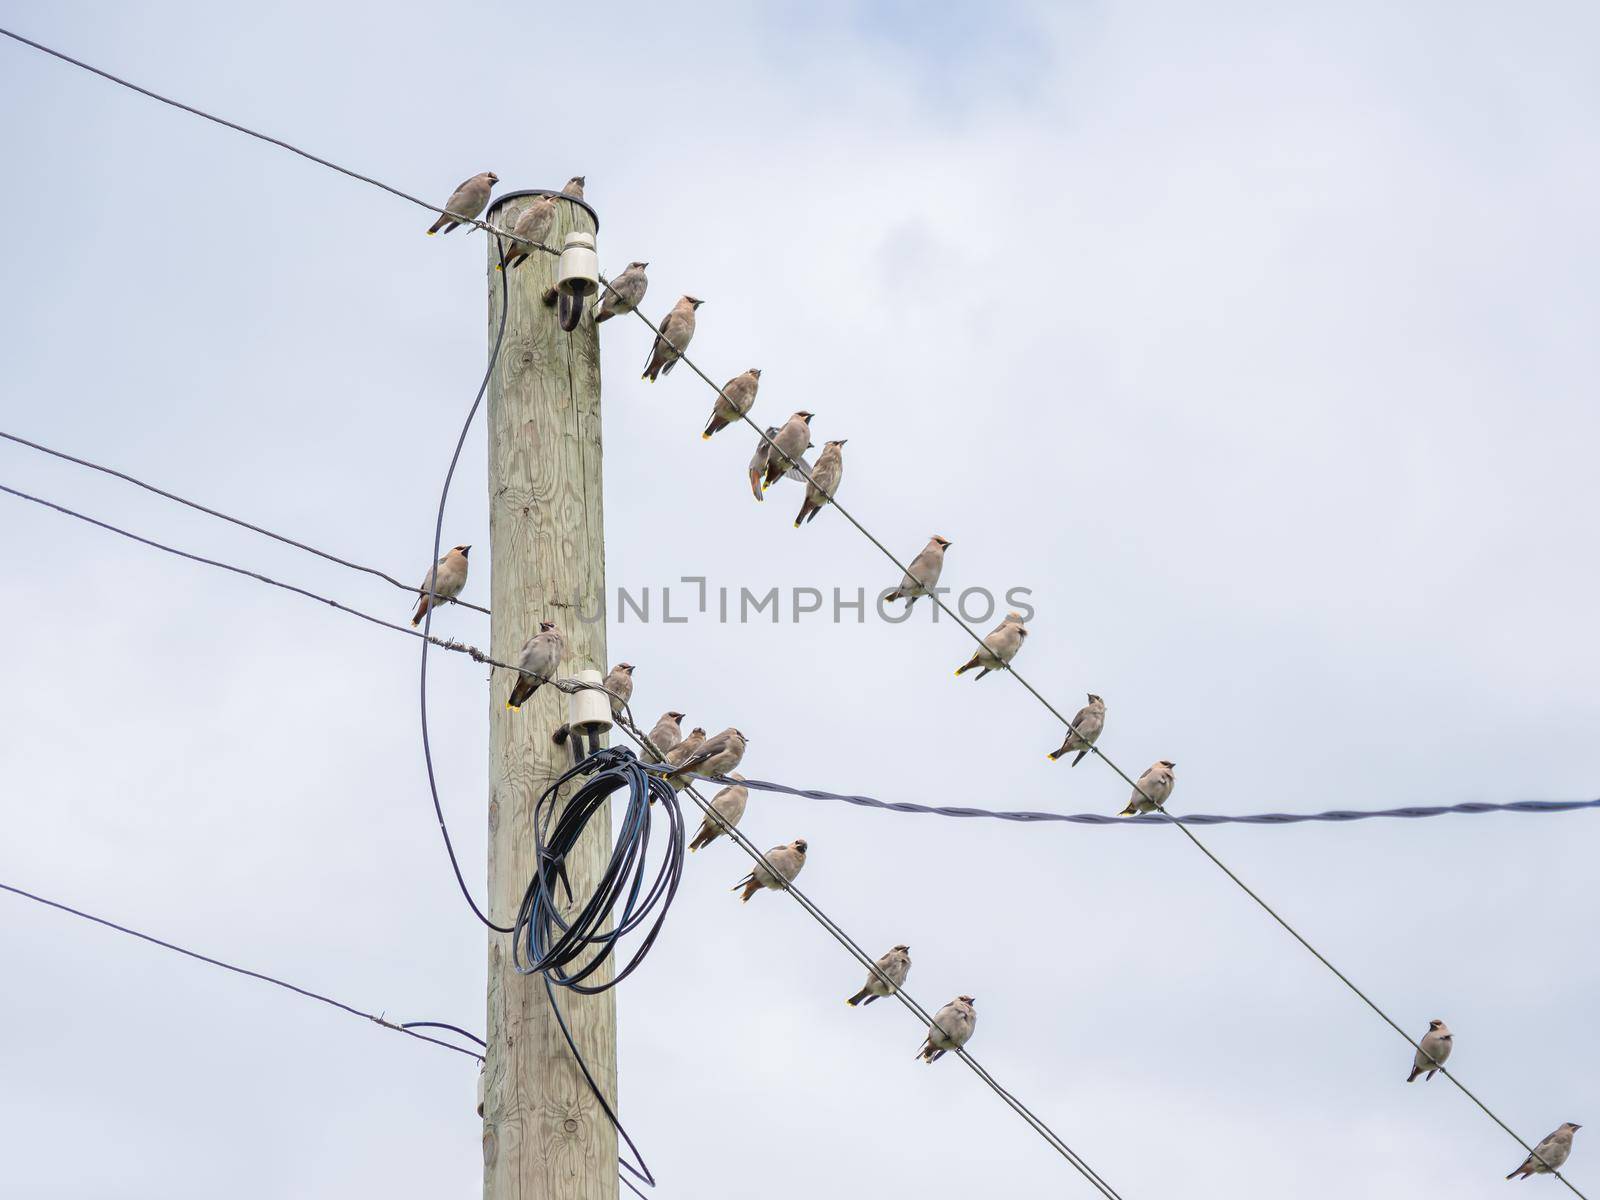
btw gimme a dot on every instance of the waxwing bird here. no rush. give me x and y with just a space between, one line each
952 1027
677 328
540 657
696 739
786 863
1434 1048
790 445
532 227
445 581
620 684
922 576
1549 1154
574 187
1152 790
1086 727
738 394
667 732
892 970
465 203
623 295
715 756
1000 646
729 806
824 481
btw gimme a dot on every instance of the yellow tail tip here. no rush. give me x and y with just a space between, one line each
705 437
430 233
797 524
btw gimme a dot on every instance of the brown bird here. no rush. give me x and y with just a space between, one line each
532 227
1000 646
1549 1154
1086 727
789 446
677 328
738 394
715 756
952 1027
574 187
541 655
624 293
465 203
667 732
620 684
922 576
448 577
824 481
896 965
728 805
786 863
685 748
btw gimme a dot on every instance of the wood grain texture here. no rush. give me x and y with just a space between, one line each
544 1136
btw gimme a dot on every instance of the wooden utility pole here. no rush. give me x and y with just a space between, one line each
544 1135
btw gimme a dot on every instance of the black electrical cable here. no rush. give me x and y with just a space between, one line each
471 1037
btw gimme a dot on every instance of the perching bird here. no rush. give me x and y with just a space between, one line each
532 226
738 394
538 662
714 756
922 576
624 294
763 455
1000 646
788 447
620 684
696 739
1434 1048
667 732
786 863
449 576
574 187
465 203
677 327
1086 727
952 1026
729 805
824 481
1152 790
1549 1154
896 965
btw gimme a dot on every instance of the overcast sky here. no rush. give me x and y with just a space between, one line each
1259 343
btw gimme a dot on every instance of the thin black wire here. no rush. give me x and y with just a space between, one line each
471 1037
375 1018
243 524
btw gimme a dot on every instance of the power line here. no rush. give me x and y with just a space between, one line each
409 1029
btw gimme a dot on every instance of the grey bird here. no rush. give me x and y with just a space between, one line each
952 1027
667 732
696 739
449 576
763 457
786 863
715 756
1152 790
1086 727
1433 1049
623 295
532 227
1549 1154
896 965
574 187
824 481
465 203
729 805
540 657
922 576
620 684
789 446
738 394
1000 646
677 327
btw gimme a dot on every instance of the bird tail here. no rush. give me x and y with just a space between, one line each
962 670
443 225
653 367
516 260
1055 754
923 1053
422 611
1079 759
715 425
519 694
755 486
1525 1171
704 838
863 994
1133 807
892 597
805 511
1415 1071
935 1056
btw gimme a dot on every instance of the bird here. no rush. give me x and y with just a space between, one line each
763 455
540 657
738 394
714 756
1000 646
677 327
952 1027
896 965
786 863
788 447
531 228
922 576
465 203
667 732
445 581
574 187
729 805
1549 1154
686 747
824 481
1434 1048
620 684
623 294
1152 790
1085 728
